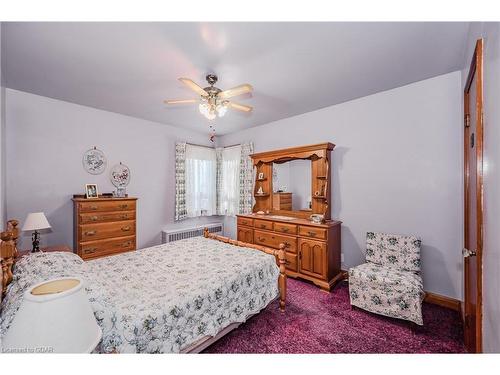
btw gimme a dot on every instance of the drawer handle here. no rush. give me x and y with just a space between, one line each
126 229
93 208
124 206
263 226
312 234
90 251
287 244
90 233
125 216
126 244
94 218
262 239
285 229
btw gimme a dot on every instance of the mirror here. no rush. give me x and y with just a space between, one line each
292 185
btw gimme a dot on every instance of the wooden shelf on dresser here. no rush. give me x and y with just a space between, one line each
312 250
104 226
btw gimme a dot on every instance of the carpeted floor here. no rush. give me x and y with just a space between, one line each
318 322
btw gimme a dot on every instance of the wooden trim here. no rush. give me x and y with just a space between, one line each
293 150
278 254
443 301
476 69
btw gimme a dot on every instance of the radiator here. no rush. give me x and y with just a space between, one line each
170 235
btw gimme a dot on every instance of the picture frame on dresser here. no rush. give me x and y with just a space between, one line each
104 226
91 191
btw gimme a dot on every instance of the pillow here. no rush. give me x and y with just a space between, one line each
392 250
32 269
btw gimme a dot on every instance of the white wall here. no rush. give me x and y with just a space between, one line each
397 168
491 249
46 139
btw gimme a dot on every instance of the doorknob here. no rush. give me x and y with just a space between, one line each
468 253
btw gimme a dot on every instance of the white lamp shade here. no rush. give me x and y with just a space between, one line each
55 316
36 221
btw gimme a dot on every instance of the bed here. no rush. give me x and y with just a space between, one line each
173 298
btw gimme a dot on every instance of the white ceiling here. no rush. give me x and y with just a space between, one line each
131 68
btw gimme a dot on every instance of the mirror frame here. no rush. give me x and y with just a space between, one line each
319 154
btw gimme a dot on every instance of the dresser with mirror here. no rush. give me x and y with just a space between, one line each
292 206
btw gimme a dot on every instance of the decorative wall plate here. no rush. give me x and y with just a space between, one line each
94 161
120 175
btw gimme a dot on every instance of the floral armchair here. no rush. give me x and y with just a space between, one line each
389 283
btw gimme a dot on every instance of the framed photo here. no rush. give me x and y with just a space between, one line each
91 191
261 176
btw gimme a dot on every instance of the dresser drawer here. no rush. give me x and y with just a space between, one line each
94 249
101 206
285 228
90 232
98 217
313 232
263 224
274 240
245 221
286 199
291 261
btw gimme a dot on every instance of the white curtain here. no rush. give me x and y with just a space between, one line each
200 177
229 189
246 179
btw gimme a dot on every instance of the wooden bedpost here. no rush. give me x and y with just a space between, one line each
12 228
7 254
282 276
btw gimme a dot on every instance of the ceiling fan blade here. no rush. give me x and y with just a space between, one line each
235 91
240 107
180 101
193 86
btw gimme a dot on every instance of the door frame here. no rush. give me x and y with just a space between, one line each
475 70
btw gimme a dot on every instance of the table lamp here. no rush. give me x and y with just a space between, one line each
55 316
35 222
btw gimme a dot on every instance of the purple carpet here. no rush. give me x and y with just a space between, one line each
318 322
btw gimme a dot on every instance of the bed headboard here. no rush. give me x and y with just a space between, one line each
8 253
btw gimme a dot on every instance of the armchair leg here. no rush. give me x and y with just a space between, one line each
414 328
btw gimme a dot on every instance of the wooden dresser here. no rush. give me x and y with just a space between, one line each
104 226
312 250
282 201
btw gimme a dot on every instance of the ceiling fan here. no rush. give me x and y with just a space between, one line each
213 101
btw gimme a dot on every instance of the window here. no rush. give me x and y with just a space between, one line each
200 181
230 181
212 181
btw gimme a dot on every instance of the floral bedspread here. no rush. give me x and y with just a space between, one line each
160 299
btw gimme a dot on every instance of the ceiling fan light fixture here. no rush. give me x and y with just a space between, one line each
210 115
221 109
204 108
212 101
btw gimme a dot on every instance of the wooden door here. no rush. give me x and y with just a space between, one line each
245 234
312 258
473 202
